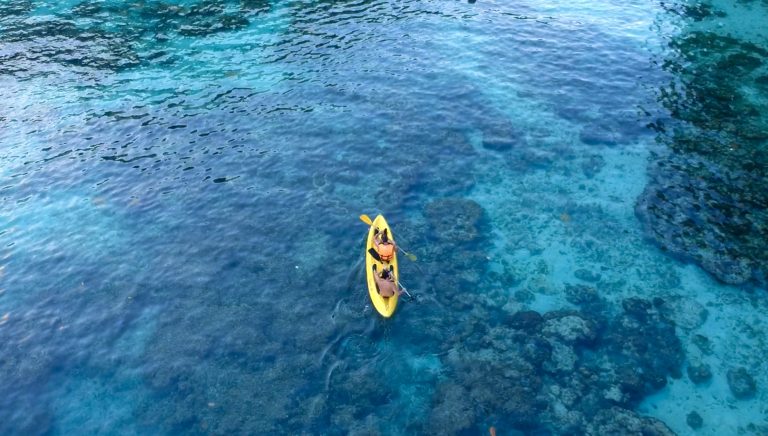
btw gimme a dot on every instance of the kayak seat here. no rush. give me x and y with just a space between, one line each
374 254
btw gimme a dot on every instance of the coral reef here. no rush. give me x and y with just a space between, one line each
500 136
694 420
265 327
565 371
699 373
454 219
706 197
621 421
453 411
742 384
707 217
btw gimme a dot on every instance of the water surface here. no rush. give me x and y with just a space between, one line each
583 186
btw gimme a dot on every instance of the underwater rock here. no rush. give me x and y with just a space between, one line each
497 144
569 328
702 343
694 420
615 394
760 430
686 312
453 412
527 320
507 385
704 198
524 296
533 349
700 11
586 275
563 359
742 384
559 387
626 422
637 307
523 410
592 165
500 136
728 269
566 421
696 11
581 294
699 373
743 63
643 336
457 143
630 381
454 219
597 135
589 301
530 158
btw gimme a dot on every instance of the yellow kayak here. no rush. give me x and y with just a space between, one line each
384 305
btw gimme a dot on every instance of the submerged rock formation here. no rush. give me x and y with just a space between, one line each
707 196
708 214
563 372
694 420
626 422
742 383
699 373
454 219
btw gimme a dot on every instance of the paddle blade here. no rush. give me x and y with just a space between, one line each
366 219
411 256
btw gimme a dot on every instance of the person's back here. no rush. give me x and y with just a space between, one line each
386 283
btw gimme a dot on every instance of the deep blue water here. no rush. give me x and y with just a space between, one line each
583 185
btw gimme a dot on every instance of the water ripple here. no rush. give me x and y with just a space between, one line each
180 183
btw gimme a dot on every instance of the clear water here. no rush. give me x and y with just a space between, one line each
180 183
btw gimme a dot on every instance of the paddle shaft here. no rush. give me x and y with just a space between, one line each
404 290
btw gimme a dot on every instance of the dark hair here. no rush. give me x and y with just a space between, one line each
385 273
384 237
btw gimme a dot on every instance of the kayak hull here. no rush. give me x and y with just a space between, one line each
384 305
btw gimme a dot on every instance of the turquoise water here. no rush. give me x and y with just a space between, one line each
583 185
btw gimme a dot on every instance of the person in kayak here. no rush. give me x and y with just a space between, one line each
386 283
385 247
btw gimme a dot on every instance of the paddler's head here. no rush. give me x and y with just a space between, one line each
385 274
384 237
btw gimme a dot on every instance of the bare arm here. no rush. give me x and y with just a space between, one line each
396 286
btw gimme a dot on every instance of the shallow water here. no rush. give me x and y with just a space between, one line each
181 183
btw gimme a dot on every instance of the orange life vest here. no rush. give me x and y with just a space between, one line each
386 251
